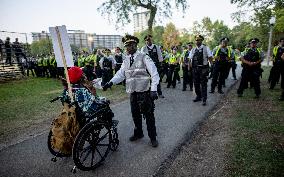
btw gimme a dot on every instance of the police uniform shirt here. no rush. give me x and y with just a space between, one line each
224 50
108 58
261 54
204 47
145 50
150 66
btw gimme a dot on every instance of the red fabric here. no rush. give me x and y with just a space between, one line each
75 73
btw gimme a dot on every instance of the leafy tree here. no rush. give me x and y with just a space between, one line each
157 36
263 11
41 47
123 9
171 36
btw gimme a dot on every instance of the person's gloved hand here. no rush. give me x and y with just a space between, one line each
154 95
107 85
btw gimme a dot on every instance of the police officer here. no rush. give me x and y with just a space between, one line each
200 57
222 58
251 59
98 68
187 72
174 60
155 54
118 58
142 79
278 67
8 49
164 64
107 64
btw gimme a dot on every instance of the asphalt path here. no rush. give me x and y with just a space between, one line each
176 116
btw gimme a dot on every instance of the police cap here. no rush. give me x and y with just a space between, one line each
127 39
147 37
225 39
199 37
254 40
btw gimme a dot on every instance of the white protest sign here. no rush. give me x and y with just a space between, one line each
64 40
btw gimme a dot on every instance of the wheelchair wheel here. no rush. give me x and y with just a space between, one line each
54 151
91 146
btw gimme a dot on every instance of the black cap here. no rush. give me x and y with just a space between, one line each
224 39
254 40
147 36
129 39
199 37
189 43
174 47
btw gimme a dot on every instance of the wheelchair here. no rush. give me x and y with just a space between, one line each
96 138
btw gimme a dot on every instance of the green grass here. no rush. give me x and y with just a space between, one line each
258 146
26 102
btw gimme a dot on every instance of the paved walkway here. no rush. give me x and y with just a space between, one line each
176 116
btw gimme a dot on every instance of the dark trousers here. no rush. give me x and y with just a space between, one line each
200 80
98 71
32 71
8 58
107 74
141 103
164 71
276 71
159 89
172 77
250 75
218 75
234 67
187 77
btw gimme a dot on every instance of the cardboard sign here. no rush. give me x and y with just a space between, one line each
61 32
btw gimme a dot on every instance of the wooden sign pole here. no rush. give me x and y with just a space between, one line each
64 63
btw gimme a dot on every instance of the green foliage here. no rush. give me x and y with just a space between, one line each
158 32
170 36
123 9
41 47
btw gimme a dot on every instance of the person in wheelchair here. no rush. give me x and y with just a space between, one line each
142 79
85 96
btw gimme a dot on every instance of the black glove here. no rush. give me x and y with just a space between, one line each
153 95
107 85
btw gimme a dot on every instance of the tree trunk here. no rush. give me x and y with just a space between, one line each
153 11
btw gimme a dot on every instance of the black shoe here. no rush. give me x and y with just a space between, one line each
220 91
168 86
174 86
212 91
191 89
161 96
256 96
240 95
271 88
134 138
197 99
204 103
183 89
154 143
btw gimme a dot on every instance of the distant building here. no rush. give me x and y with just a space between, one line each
85 40
107 41
141 21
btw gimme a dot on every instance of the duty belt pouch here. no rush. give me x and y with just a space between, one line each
205 70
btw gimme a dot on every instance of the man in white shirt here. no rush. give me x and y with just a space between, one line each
142 79
155 54
199 58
